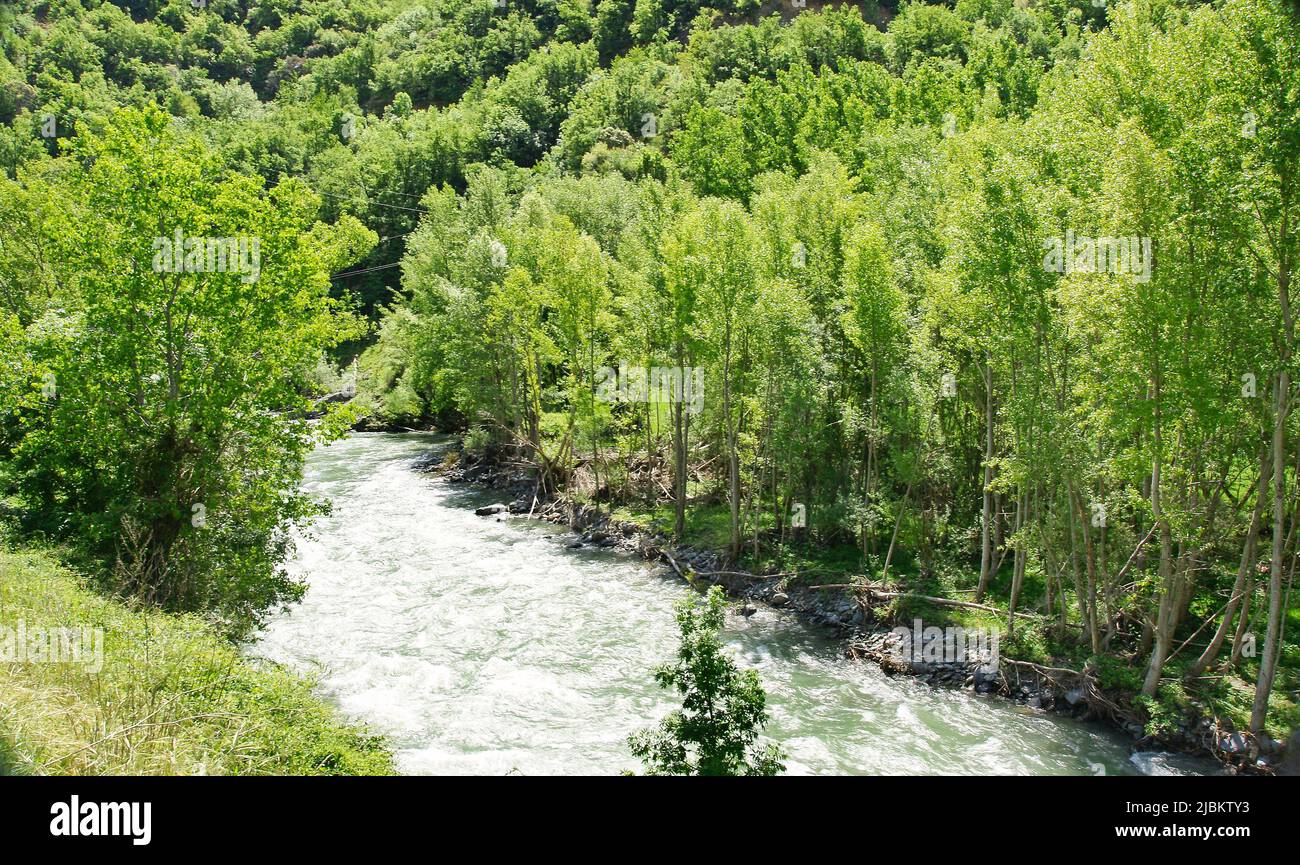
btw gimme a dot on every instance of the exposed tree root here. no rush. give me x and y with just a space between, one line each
1066 680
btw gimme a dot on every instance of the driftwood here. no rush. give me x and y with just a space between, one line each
1046 672
669 556
741 574
873 592
676 567
943 602
1092 695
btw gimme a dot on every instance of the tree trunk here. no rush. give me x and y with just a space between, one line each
1088 600
1243 573
1268 661
986 547
1163 635
1018 569
679 468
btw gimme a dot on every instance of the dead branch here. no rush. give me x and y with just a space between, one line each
741 574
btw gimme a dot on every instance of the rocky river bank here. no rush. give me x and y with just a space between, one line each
867 631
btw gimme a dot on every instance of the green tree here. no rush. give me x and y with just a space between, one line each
171 440
613 29
723 708
875 327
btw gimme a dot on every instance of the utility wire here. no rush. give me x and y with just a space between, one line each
366 270
372 202
384 240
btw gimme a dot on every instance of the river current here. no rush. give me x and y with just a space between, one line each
484 646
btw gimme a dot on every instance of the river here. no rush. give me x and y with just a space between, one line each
481 646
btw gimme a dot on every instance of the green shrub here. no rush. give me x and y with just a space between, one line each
1028 643
716 730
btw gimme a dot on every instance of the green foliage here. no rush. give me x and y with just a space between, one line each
841 227
716 730
1114 675
612 32
923 31
172 697
476 440
1165 711
1028 644
170 440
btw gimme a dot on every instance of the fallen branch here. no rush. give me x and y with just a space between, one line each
741 574
945 602
1066 671
1092 694
669 556
1133 557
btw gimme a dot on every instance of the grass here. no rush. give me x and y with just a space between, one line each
172 697
708 527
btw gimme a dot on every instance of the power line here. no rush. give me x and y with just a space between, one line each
366 270
372 202
404 194
384 240
395 236
378 266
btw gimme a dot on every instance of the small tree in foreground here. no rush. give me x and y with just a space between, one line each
723 708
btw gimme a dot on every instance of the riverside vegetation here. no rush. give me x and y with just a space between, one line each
715 731
984 302
171 697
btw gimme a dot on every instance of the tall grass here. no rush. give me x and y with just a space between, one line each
172 697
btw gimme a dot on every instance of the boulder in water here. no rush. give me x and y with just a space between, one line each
986 679
489 510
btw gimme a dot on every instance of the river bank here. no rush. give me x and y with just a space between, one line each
149 692
482 646
864 621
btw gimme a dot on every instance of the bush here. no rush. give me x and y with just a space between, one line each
476 440
716 730
1165 710
1027 644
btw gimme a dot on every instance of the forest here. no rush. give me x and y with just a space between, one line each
984 300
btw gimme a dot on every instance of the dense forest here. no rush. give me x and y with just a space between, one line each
986 300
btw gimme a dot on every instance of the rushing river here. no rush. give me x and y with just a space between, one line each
481 646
